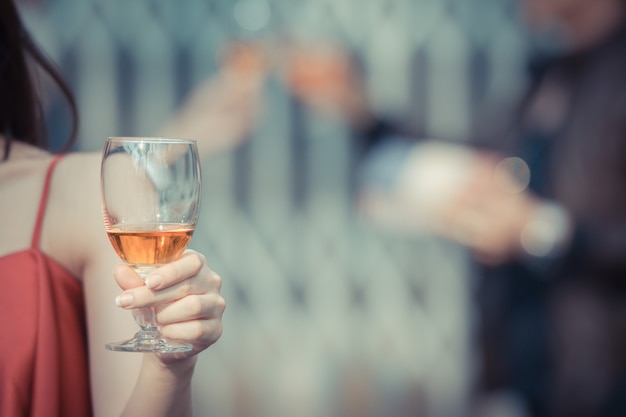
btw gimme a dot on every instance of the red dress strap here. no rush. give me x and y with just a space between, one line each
44 200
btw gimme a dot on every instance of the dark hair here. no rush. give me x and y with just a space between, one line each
21 112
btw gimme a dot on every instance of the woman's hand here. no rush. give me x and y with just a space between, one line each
186 297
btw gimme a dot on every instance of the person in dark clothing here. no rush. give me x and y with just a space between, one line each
541 206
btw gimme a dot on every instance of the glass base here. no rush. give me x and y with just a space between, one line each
149 342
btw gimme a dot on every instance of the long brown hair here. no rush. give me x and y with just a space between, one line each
21 110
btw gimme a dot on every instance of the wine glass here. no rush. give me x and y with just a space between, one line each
150 200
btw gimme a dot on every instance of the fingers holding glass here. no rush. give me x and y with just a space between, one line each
187 303
194 319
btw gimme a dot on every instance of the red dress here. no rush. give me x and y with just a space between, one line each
43 342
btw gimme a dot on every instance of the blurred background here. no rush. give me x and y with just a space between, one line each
327 315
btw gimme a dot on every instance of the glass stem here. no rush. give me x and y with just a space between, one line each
145 317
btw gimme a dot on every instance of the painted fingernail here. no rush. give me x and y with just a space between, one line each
124 300
154 281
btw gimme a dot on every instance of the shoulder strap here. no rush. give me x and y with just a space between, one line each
44 200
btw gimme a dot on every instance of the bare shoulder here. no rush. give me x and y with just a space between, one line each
73 229
82 246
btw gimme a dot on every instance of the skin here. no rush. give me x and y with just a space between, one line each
486 216
483 216
186 292
221 112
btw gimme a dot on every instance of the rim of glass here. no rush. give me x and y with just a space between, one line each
137 139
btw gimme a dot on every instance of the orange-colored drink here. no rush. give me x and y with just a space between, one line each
143 245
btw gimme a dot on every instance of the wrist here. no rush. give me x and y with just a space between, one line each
174 367
163 388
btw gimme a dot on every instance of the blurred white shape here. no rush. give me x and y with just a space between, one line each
252 15
425 181
502 404
512 174
435 172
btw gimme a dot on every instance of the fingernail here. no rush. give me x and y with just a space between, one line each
124 300
154 281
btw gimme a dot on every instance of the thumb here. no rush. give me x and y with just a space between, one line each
126 278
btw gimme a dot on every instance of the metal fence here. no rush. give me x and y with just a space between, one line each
326 315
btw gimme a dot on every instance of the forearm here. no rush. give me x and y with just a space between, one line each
162 390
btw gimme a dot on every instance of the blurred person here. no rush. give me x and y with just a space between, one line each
541 204
58 268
